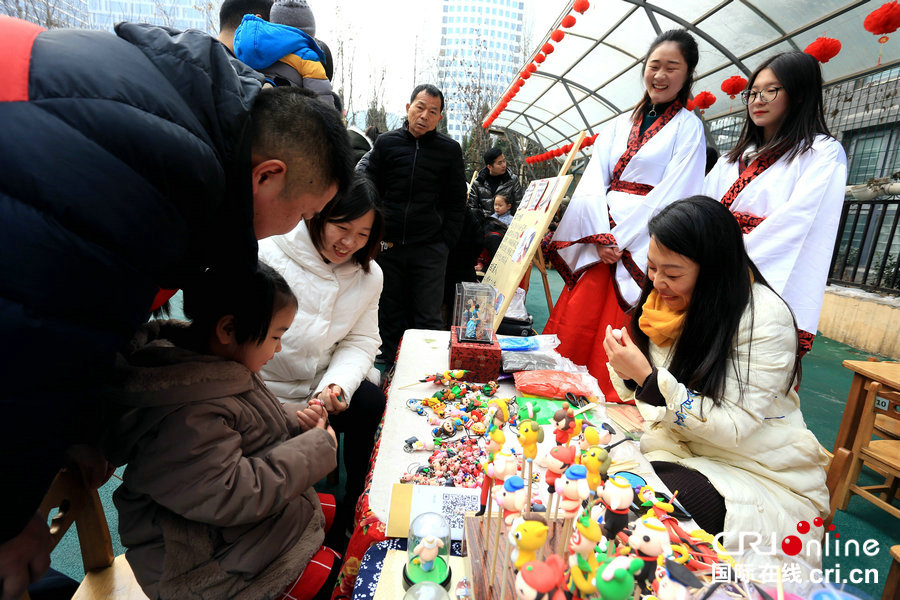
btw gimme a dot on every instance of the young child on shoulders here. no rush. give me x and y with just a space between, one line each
217 497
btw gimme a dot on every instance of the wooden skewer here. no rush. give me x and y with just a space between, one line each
409 385
780 584
505 575
490 575
529 462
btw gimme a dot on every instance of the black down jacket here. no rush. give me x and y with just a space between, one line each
422 185
124 167
481 194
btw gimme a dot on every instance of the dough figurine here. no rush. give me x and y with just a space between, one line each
596 460
616 497
498 415
572 488
426 551
675 584
539 580
565 424
557 461
503 465
530 435
649 540
586 542
527 536
511 498
614 579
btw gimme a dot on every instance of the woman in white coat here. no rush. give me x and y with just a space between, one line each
713 366
784 182
642 161
329 351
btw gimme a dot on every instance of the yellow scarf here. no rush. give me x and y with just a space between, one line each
661 324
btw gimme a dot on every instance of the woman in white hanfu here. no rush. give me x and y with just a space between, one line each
784 182
641 162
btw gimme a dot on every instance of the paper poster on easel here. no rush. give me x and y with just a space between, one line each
523 237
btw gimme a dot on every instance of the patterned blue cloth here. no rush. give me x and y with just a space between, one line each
373 562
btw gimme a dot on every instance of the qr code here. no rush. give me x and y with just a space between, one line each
455 506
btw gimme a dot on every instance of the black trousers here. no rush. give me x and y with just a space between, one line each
358 424
412 293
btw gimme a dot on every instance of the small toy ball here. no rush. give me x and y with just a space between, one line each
617 333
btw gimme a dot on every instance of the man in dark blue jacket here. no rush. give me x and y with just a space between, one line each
419 174
129 163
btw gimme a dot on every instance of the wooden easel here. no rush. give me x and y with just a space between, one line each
538 260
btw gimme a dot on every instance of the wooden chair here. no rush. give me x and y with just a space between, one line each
107 576
882 455
837 472
892 584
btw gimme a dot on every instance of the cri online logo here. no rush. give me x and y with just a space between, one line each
791 545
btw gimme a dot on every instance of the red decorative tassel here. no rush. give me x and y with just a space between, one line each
734 85
824 49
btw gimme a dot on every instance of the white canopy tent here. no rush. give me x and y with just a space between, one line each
594 72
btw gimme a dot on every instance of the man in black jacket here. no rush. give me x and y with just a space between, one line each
129 163
495 178
419 174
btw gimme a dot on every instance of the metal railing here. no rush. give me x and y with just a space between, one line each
867 249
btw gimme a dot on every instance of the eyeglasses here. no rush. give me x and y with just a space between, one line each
767 95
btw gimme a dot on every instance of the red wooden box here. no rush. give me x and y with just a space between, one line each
480 359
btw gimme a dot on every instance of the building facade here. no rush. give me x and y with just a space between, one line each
480 51
178 14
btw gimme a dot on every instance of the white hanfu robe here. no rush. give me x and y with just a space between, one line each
672 161
800 202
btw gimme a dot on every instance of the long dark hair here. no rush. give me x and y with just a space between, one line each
251 298
801 77
691 54
706 232
357 202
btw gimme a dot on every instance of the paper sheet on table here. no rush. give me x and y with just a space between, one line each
409 501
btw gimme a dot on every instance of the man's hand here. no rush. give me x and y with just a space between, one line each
24 559
310 416
333 399
610 254
625 357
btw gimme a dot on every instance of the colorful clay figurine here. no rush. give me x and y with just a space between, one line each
504 464
565 425
445 378
541 580
648 541
596 460
511 498
530 435
426 551
676 582
614 579
527 536
498 413
572 488
586 542
616 497
490 388
557 461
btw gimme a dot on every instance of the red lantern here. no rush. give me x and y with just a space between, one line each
520 82
557 35
540 58
525 74
881 21
824 49
568 21
704 100
547 48
531 68
734 85
581 6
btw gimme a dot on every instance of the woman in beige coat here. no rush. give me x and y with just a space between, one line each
713 367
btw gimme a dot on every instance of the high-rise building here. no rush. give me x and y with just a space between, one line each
178 14
481 50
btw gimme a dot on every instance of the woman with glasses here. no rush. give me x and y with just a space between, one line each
784 182
642 161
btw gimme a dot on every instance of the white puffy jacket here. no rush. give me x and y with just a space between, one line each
334 337
755 449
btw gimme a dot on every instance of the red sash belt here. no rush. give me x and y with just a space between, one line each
630 187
